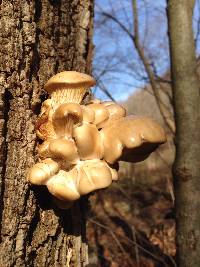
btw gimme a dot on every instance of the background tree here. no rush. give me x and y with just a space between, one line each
38 39
186 97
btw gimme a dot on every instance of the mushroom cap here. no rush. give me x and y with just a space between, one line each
93 175
88 114
69 79
115 112
64 149
41 172
101 113
65 116
131 138
88 141
63 185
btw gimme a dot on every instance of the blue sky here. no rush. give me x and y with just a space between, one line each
115 52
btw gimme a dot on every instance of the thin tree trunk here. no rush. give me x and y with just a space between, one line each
186 93
38 39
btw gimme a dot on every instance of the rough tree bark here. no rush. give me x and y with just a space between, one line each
186 93
38 39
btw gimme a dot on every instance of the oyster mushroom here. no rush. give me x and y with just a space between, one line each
101 113
131 139
85 177
68 87
63 149
88 141
115 112
83 143
41 172
65 117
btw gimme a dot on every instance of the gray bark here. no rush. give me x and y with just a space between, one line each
38 39
186 95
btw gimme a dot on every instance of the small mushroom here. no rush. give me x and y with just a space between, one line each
115 112
88 114
41 172
64 149
88 142
101 113
131 139
85 177
68 87
65 117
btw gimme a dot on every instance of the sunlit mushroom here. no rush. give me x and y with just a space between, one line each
83 143
101 113
68 87
87 176
65 117
88 142
131 139
41 172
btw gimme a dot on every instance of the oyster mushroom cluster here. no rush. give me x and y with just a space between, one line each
82 144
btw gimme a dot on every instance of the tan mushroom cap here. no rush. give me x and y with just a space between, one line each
101 113
115 112
69 79
41 172
85 177
64 149
63 185
94 175
131 139
88 114
88 142
68 86
65 117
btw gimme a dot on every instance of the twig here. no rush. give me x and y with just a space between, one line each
135 39
135 246
131 241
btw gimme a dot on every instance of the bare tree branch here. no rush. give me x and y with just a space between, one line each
136 41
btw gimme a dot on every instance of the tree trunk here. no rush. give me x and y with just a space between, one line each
186 95
38 39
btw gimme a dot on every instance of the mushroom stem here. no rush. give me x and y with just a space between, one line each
65 117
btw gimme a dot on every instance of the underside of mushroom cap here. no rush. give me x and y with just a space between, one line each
68 86
131 139
65 117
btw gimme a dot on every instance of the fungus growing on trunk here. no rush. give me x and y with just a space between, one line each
131 139
68 87
83 143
